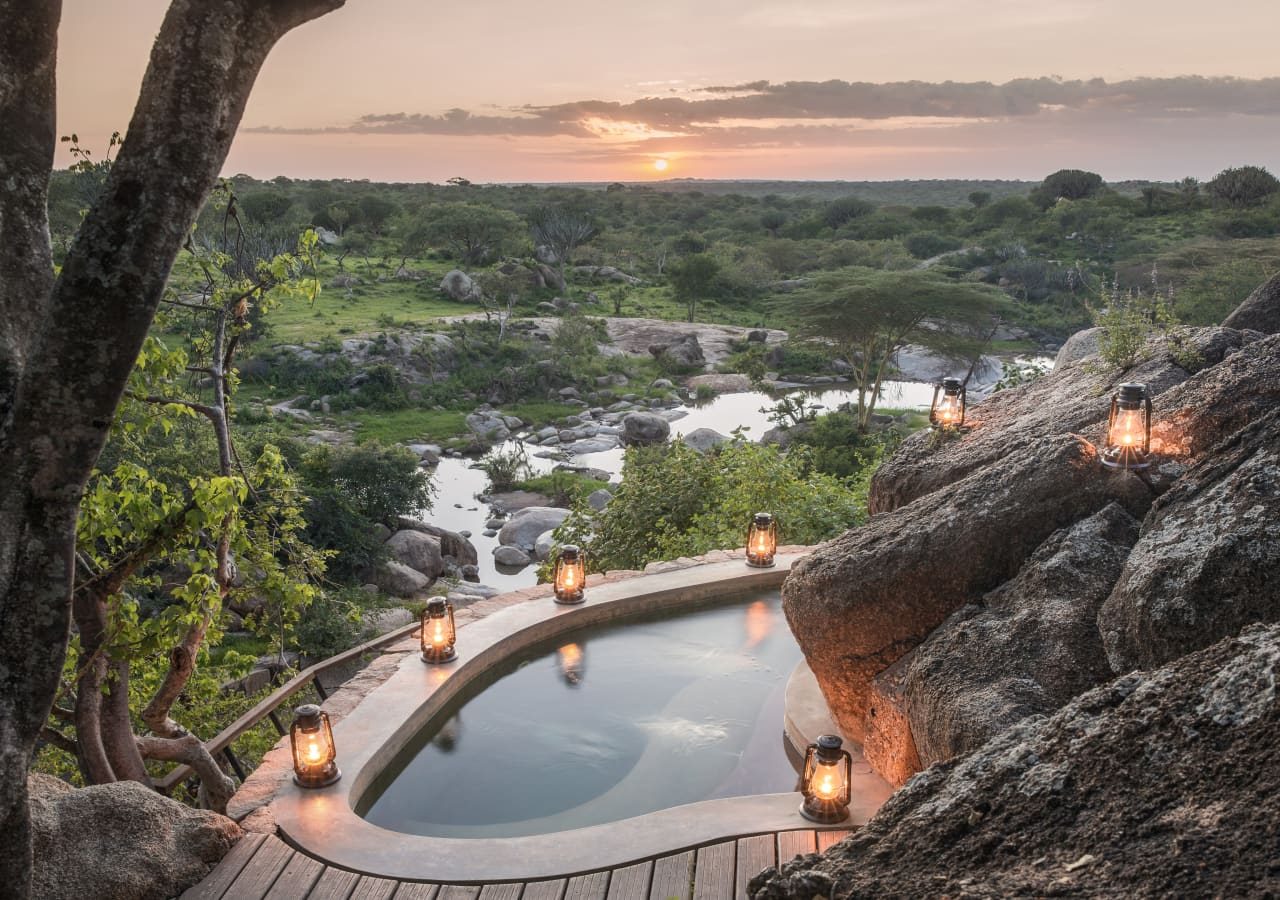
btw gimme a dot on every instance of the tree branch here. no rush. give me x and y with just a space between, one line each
59 740
190 751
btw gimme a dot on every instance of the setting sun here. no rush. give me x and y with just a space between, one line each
660 165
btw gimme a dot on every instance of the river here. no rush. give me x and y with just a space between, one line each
457 484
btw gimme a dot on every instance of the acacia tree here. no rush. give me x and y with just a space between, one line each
868 315
68 340
562 229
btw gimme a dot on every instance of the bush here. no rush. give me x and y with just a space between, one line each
928 244
676 502
352 490
1245 186
330 625
505 468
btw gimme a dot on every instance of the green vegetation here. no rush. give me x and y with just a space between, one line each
676 502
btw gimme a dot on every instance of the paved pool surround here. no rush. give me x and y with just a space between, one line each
323 822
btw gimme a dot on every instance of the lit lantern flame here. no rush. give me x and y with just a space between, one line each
825 783
947 410
438 632
570 574
1129 428
762 541
311 737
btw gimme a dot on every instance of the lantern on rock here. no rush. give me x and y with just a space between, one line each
438 632
311 737
570 575
1129 428
825 782
762 541
947 410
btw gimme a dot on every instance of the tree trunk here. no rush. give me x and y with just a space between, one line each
67 347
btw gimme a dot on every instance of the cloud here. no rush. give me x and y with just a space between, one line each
762 101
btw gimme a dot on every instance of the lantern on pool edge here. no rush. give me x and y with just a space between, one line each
311 737
947 411
570 575
825 783
438 632
1129 428
762 541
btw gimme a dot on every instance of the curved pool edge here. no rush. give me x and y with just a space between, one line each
323 822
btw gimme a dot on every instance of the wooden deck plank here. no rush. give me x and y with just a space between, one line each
370 888
416 890
297 879
588 887
672 877
261 872
713 872
458 892
544 890
754 854
215 884
827 838
630 883
334 884
793 843
499 891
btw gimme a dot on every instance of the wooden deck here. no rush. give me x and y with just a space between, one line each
263 867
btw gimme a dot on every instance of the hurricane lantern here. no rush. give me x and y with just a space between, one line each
947 410
438 632
825 783
311 737
1129 428
570 575
572 664
762 541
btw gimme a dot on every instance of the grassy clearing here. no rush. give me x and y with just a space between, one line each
406 425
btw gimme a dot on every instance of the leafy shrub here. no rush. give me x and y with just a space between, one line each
352 490
330 625
927 244
505 468
676 502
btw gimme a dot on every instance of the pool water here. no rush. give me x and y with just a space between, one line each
611 723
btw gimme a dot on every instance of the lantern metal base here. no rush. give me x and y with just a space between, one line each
439 658
571 599
318 782
952 429
1127 460
761 564
824 812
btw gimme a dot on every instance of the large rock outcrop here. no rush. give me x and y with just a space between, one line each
961 516
119 841
1157 784
864 599
1208 560
1029 647
418 551
1260 311
640 428
526 525
1072 400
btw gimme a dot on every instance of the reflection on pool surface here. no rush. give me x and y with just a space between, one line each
610 723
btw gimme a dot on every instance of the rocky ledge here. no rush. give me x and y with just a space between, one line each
1004 575
1158 784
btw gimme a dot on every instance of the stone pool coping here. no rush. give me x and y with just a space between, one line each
323 822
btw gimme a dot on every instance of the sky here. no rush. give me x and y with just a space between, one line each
584 90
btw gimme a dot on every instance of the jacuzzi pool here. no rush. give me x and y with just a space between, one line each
605 724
